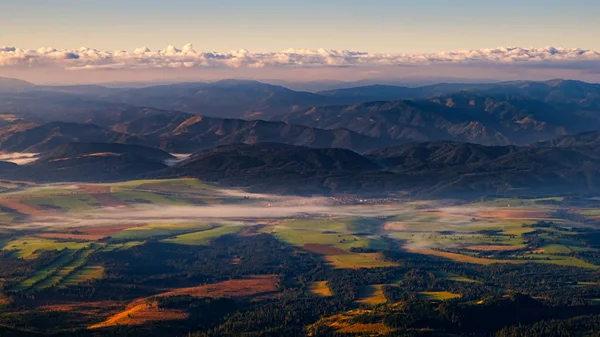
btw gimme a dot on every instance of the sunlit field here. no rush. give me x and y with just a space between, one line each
67 237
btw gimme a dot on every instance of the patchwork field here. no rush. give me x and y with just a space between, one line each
142 242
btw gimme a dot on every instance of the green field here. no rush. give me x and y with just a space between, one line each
42 273
27 246
204 237
66 203
141 197
158 230
56 279
175 183
437 295
338 233
86 273
120 246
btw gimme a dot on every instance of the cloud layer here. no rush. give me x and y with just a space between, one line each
188 57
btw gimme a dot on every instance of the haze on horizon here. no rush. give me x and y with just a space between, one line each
105 41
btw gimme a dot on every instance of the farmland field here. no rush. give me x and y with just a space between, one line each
161 252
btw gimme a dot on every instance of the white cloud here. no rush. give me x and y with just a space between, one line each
188 57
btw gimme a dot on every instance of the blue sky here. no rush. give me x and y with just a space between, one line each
394 39
394 26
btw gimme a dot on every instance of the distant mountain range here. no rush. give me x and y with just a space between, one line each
512 138
430 169
493 114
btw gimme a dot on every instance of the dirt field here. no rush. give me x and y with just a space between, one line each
109 200
88 233
23 207
324 249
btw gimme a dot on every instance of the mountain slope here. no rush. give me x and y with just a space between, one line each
48 136
465 117
225 99
439 169
76 150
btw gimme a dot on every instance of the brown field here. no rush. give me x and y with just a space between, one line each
324 249
142 310
88 233
255 285
140 314
109 200
455 256
494 248
23 207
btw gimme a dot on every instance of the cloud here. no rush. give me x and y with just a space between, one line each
188 57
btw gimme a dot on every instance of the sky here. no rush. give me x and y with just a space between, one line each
376 27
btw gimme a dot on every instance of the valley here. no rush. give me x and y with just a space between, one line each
67 246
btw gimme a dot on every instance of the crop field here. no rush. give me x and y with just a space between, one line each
72 239
335 240
88 233
437 295
158 230
27 247
204 237
42 274
86 273
65 203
